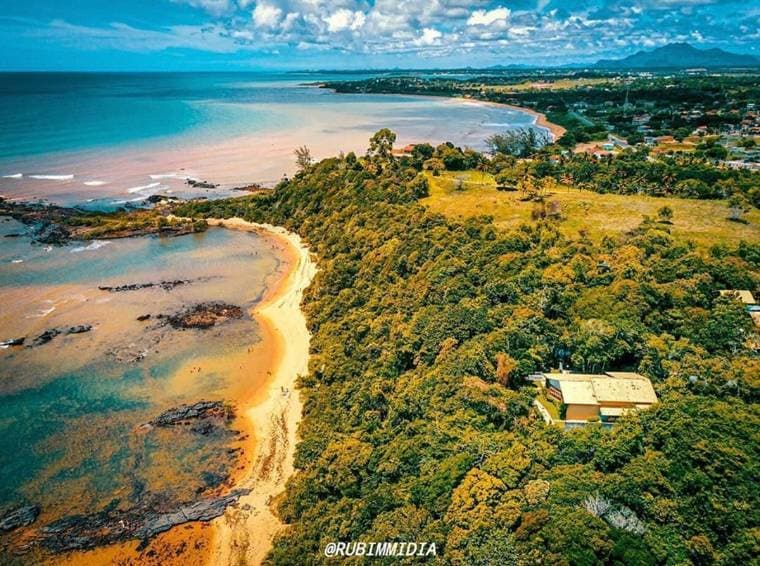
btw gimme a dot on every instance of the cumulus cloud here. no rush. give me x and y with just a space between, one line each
266 15
430 36
467 29
344 19
486 18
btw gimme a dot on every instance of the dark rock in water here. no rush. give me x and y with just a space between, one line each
204 315
113 525
252 188
44 338
201 184
212 479
12 235
165 285
204 418
203 428
143 317
19 517
204 510
154 199
79 329
13 341
51 333
51 233
197 411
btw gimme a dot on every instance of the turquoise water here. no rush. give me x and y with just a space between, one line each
50 112
71 409
119 138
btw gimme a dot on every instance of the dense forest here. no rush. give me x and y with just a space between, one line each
418 424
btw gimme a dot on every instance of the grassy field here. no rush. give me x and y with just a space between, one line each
561 84
702 221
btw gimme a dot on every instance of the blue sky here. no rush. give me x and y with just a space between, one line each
307 34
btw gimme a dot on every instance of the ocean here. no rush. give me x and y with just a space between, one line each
74 138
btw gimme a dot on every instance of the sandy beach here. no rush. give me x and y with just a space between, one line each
555 130
243 535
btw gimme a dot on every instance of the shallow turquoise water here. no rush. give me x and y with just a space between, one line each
51 112
70 410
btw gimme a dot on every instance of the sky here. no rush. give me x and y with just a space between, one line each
232 35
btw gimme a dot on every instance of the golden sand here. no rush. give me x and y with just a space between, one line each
245 532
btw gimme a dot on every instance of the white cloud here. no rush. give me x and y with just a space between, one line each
430 36
431 28
486 18
266 15
345 19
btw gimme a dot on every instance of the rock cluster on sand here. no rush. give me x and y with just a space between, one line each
113 525
51 333
203 315
165 285
197 411
19 517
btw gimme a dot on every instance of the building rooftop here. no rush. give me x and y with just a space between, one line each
599 389
637 390
578 393
742 294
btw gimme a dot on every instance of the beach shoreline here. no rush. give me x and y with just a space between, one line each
540 119
245 532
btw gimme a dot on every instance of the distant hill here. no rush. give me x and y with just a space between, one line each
680 56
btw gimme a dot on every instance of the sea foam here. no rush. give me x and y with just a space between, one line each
52 177
14 176
164 176
96 245
95 183
144 187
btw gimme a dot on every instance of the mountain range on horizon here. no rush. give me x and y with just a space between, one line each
680 56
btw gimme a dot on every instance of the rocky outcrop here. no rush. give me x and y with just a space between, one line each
79 329
44 338
165 285
203 315
51 333
113 525
204 510
19 517
186 414
13 342
201 184
58 225
155 199
51 233
252 188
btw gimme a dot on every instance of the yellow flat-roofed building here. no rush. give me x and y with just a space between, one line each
604 397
